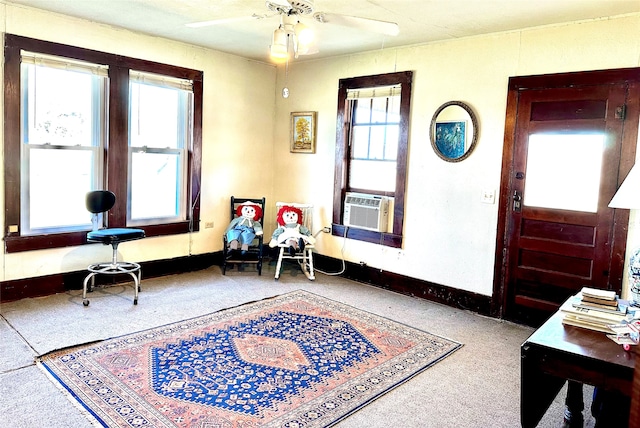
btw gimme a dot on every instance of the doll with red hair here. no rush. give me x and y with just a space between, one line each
244 228
291 231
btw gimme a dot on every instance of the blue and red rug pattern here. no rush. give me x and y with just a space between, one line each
296 360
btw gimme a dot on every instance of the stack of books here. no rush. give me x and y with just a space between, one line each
594 309
594 297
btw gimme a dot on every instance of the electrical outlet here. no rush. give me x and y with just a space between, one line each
488 196
208 224
326 229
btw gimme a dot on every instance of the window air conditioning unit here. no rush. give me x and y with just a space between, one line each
369 212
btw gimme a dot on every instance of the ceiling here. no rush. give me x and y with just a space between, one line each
420 21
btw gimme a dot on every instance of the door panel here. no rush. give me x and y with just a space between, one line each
563 110
564 171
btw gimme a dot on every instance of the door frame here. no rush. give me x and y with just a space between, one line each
631 76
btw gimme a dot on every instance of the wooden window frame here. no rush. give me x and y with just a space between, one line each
115 151
341 177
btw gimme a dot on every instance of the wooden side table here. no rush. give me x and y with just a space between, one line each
555 353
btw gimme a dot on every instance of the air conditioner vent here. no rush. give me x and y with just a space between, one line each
364 211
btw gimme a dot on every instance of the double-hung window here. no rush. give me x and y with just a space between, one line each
372 147
78 120
159 133
375 125
62 127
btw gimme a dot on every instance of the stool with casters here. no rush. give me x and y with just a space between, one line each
101 201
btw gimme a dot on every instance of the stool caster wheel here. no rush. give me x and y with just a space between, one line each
85 302
135 301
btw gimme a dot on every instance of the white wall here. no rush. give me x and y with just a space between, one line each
449 234
237 141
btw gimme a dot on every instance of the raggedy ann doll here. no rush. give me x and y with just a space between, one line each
244 228
291 231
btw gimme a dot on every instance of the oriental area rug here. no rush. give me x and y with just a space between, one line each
295 360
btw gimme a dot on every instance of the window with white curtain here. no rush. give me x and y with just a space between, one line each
375 125
63 116
159 132
372 146
78 120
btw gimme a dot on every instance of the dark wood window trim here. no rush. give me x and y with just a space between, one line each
116 147
393 239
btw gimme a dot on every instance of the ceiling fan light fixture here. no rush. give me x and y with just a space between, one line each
279 45
277 54
308 49
304 34
293 38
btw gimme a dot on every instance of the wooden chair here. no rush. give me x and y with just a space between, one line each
304 256
254 253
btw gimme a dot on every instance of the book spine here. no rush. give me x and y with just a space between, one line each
587 325
608 310
600 301
600 315
597 293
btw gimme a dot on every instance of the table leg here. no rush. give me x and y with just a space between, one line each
537 388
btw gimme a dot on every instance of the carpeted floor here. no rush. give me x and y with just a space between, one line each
478 386
295 360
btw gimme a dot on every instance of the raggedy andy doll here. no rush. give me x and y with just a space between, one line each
291 231
244 228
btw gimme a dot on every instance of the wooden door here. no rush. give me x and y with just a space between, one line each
564 166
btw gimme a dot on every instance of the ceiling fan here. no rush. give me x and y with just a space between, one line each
293 32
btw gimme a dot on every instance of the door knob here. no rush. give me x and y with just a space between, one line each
517 198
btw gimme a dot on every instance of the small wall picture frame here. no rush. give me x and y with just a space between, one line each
303 132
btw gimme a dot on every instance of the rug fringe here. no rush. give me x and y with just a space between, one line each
352 382
396 385
91 418
66 348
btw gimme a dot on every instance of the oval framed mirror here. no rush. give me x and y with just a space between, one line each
454 131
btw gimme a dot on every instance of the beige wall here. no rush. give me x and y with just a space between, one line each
238 128
450 234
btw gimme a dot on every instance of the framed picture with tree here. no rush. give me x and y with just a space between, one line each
303 132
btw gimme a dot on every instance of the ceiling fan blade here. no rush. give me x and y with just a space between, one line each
383 27
224 21
283 3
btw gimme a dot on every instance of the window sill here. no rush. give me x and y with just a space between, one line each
386 239
16 244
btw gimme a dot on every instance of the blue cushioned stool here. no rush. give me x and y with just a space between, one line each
101 201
